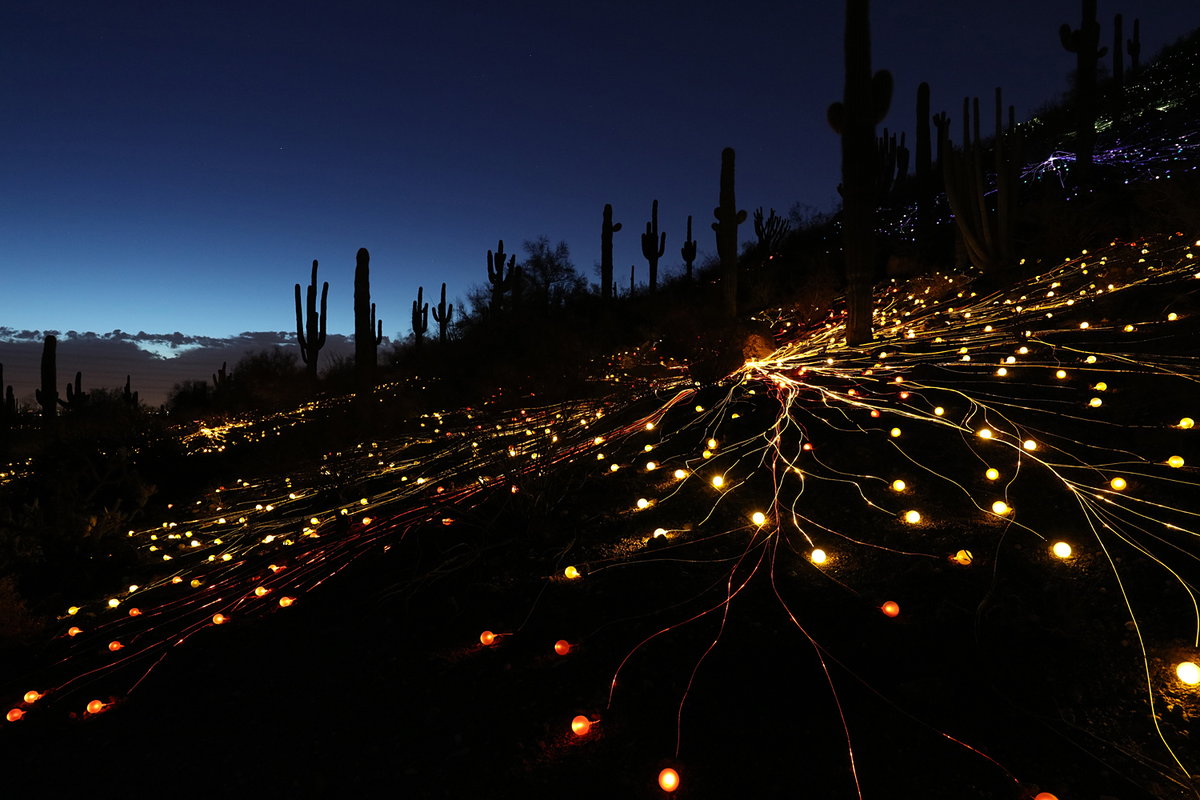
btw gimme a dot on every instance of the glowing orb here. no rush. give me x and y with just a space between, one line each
114 645
659 532
73 610
487 638
571 572
984 433
32 697
681 474
74 631
963 557
875 413
260 591
1045 796
894 432
95 707
1061 550
614 467
1000 507
1101 387
899 485
284 602
1095 402
643 503
1172 316
581 725
818 556
712 444
1118 483
1029 444
939 411
1175 461
562 647
1062 373
699 409
14 715
1188 672
718 481
890 609
219 619
912 517
1187 423
135 612
113 603
992 474
668 780
651 466
649 426
1002 372
758 518
196 583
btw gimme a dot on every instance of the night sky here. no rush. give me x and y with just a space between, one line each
176 167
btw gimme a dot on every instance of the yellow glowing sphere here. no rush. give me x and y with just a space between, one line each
668 780
1002 372
487 638
1175 461
284 602
649 426
1095 402
1188 672
891 608
571 572
613 467
113 603
1062 373
1000 507
758 518
643 503
681 474
1118 483
14 715
197 583
1061 550
260 591
1101 387
699 409
894 432
912 517
992 474
963 557
712 444
1187 423
648 448
651 465
73 610
581 725
984 433
1029 444
32 697
562 647
939 411
1172 316
95 707
1090 360
818 556
659 532
718 481
899 485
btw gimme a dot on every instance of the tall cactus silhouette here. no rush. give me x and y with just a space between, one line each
367 335
130 398
312 339
8 412
77 398
1133 46
770 232
866 99
1084 43
420 316
500 279
688 251
728 218
654 245
1118 69
607 229
47 396
442 314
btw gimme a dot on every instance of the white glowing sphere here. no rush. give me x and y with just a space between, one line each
1000 507
912 517
899 485
992 474
758 518
1061 550
1188 672
819 556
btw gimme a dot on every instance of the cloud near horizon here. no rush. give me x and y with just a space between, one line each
155 362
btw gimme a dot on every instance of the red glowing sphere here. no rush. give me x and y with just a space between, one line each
891 608
95 707
1045 796
581 725
562 647
487 638
14 715
114 645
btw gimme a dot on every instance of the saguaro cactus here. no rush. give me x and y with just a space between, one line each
442 315
770 232
654 245
420 316
728 218
500 280
47 396
76 397
1084 43
607 229
367 335
688 251
313 339
1133 46
8 412
866 99
221 378
130 398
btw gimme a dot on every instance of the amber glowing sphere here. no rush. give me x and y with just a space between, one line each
562 647
14 715
571 572
819 556
74 631
1000 507
1175 461
668 780
95 707
581 725
135 612
32 697
114 645
487 638
1118 483
1061 550
758 518
1045 796
1186 423
1188 672
912 517
891 608
992 474
963 557
899 485
219 619
284 602
260 591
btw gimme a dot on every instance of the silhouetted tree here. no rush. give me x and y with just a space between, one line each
547 276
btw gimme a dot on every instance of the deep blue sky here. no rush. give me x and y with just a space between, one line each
177 166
